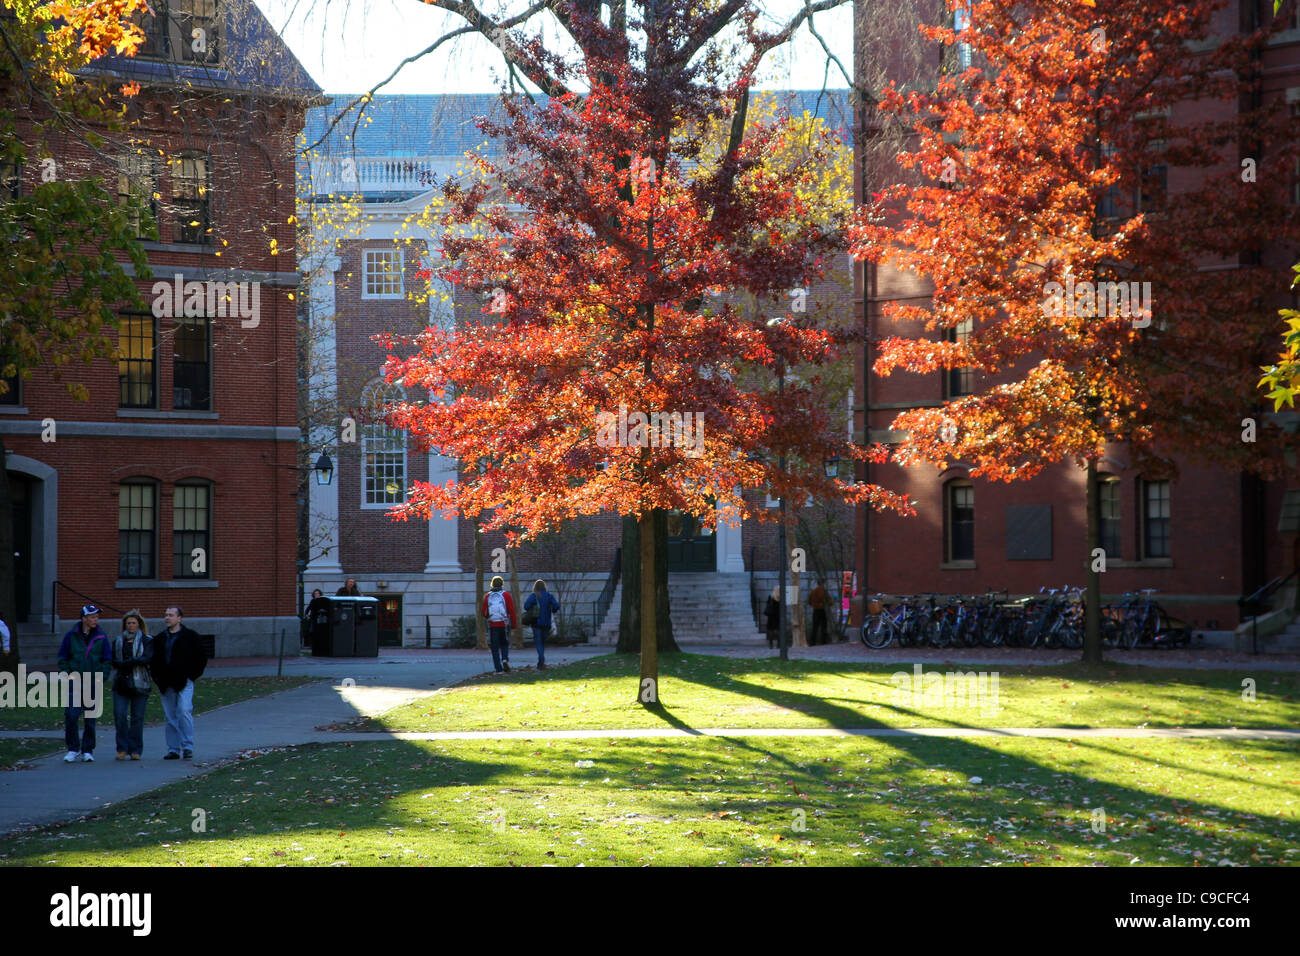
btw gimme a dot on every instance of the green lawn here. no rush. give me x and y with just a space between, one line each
209 693
704 691
13 750
711 801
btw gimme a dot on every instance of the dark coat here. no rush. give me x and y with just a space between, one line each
188 659
546 604
772 611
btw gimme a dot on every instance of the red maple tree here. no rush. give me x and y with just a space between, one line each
605 293
1044 170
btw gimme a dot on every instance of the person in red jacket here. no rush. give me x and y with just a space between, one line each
499 609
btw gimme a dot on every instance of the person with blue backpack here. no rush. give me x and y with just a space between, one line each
499 609
538 608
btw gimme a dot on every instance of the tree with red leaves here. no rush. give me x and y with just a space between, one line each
611 377
1107 307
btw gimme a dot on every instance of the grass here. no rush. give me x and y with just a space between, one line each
710 801
209 694
14 750
704 691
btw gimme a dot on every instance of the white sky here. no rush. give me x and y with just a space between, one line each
350 45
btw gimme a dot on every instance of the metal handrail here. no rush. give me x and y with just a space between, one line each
54 603
600 606
1267 591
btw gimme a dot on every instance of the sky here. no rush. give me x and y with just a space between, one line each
349 46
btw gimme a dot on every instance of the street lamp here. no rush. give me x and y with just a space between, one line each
832 466
324 469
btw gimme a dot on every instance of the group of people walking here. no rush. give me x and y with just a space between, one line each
498 606
817 600
132 663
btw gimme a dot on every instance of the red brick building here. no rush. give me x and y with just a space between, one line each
1203 540
176 482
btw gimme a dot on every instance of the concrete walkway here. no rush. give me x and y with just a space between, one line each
48 790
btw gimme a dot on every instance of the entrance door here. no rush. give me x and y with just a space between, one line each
20 490
690 547
390 620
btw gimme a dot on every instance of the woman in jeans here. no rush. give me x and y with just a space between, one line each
132 652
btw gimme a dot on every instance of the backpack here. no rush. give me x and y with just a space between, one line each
497 607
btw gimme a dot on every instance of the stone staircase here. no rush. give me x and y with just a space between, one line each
706 609
38 646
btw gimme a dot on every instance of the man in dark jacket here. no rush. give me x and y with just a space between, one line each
86 653
178 661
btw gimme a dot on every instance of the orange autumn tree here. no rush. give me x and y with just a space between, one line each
608 376
1040 173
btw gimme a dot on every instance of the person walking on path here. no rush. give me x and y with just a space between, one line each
317 616
349 590
772 611
86 651
132 654
178 661
499 609
538 608
817 599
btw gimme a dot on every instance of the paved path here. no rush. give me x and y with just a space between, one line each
50 790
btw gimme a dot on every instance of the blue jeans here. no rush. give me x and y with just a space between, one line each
499 642
178 709
86 744
128 714
539 638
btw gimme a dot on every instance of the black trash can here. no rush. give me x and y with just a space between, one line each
366 643
338 637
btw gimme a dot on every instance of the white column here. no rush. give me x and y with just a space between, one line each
323 500
730 545
444 538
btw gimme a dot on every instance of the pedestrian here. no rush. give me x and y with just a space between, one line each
817 598
349 590
178 661
85 651
772 611
132 654
317 615
499 609
538 608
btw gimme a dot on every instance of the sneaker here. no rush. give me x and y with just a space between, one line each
506 665
135 756
541 666
121 755
172 756
188 755
71 757
87 758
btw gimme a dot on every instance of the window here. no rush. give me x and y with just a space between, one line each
11 180
137 184
383 450
959 381
956 58
169 31
1154 183
191 364
136 368
1155 519
197 24
190 523
1108 516
135 530
383 274
1295 183
13 394
959 521
190 198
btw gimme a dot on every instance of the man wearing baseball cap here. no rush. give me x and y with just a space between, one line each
85 650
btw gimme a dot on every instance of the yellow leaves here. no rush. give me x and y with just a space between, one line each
275 247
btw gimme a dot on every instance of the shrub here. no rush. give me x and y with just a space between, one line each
462 631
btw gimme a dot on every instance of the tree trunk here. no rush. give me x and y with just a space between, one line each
480 626
8 600
648 692
629 623
517 636
1092 593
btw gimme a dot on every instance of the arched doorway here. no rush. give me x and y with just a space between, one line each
20 497
34 490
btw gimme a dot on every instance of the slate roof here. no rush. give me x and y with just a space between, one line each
253 59
444 125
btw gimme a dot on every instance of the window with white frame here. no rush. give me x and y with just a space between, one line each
383 449
382 274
